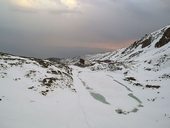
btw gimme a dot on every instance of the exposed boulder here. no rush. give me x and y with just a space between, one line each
164 40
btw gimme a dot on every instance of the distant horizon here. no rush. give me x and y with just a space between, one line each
91 52
69 28
46 57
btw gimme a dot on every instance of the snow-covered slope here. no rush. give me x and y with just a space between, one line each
127 88
147 56
156 43
35 74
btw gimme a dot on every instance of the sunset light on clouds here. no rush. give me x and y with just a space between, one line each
24 3
70 3
45 4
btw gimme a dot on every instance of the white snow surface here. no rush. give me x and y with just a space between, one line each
105 95
21 107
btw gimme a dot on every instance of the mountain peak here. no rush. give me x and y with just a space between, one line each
157 39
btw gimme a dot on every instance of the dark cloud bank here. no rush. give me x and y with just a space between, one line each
73 32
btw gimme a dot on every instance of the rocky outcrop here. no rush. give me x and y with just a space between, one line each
164 40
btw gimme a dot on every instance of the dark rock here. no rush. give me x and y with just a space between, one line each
48 81
82 61
125 73
130 79
148 69
153 86
54 72
119 111
146 42
44 93
137 84
164 40
31 87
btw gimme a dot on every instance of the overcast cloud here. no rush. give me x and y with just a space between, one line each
63 28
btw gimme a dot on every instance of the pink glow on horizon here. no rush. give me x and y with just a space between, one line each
112 46
104 46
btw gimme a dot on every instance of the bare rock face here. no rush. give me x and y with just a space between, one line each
164 40
146 42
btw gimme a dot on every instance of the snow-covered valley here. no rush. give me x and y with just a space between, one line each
102 99
127 88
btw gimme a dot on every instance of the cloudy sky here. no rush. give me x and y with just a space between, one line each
65 28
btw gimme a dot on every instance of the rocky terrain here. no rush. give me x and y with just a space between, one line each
35 74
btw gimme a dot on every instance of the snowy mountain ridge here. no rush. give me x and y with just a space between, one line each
148 49
149 42
127 88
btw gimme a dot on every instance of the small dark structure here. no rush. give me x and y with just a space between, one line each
82 61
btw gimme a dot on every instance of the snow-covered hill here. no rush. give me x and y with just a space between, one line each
155 43
35 74
127 88
147 59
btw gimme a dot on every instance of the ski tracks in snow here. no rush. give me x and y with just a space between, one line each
76 78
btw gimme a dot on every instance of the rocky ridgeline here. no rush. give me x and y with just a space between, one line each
148 56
